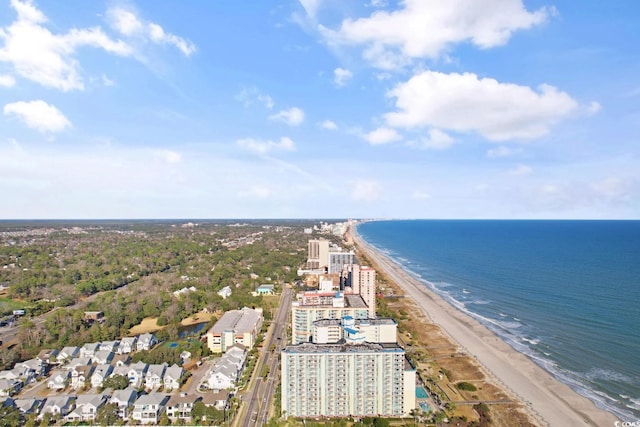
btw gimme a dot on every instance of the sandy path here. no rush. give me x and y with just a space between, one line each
549 401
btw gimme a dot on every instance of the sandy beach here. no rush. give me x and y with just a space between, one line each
548 401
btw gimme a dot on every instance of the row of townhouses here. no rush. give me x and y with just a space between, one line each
131 405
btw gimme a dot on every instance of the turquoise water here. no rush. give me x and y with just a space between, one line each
421 393
565 293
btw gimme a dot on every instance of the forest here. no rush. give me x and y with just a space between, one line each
130 271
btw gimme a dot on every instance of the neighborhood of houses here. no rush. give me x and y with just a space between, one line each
75 376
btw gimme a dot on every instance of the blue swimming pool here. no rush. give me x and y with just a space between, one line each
421 393
425 407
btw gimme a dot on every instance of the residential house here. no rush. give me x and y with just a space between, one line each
10 387
124 399
78 361
227 370
218 400
33 369
86 407
122 370
102 357
59 379
180 406
11 374
225 292
80 375
121 360
89 349
48 356
100 373
108 346
28 406
146 342
172 377
127 345
94 316
136 373
56 406
148 408
154 376
68 353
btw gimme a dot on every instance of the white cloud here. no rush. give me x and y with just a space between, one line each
38 115
329 125
382 135
293 116
503 151
168 156
341 76
128 24
250 95
520 170
366 190
427 28
35 53
311 7
377 3
7 80
467 103
594 107
263 147
437 140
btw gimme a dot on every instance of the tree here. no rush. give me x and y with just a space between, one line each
10 417
116 382
108 414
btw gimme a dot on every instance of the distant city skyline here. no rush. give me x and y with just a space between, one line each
319 109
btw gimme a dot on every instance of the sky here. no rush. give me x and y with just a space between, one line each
320 109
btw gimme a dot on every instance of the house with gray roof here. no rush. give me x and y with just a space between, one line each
124 399
102 357
59 379
180 406
10 387
56 405
146 342
154 376
137 373
100 373
172 377
127 345
29 405
86 407
148 408
89 349
68 353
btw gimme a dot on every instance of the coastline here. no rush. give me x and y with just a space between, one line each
547 400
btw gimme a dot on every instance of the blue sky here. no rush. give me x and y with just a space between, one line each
319 108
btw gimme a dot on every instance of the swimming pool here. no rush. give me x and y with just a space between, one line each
421 393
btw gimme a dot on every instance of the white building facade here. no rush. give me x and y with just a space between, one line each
341 380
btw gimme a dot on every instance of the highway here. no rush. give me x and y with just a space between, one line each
258 397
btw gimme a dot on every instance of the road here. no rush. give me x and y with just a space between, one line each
258 398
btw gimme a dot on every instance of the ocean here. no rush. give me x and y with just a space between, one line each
565 293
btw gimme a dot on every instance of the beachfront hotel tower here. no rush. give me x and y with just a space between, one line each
341 380
318 254
312 306
362 281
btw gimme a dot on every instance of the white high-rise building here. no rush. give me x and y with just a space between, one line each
341 380
314 306
362 281
355 331
338 261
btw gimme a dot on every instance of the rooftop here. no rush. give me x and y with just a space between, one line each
343 348
237 320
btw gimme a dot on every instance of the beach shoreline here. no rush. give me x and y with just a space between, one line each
547 400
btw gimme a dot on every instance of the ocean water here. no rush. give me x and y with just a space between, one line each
565 293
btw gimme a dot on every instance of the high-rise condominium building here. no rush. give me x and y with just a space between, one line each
362 281
340 380
318 254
